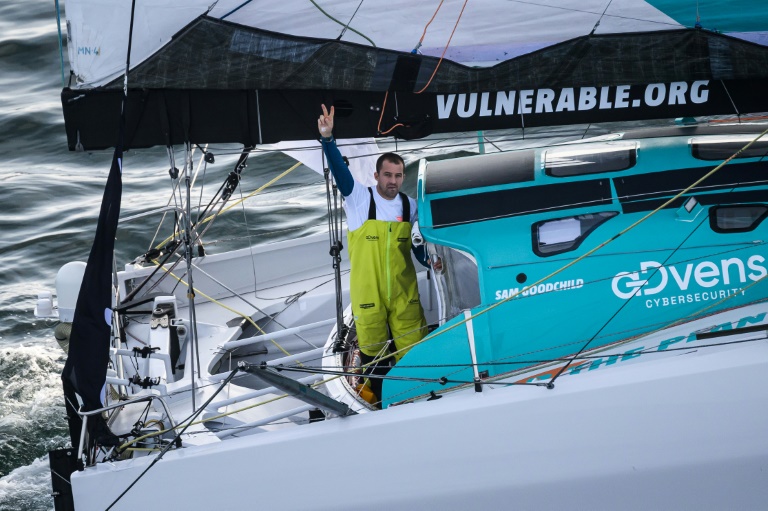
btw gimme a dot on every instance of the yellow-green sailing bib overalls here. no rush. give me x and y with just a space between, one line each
383 286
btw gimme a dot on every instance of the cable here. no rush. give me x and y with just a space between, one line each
588 253
343 25
421 40
445 49
343 31
175 440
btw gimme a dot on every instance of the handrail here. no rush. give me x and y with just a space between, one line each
118 404
286 332
301 357
258 393
266 420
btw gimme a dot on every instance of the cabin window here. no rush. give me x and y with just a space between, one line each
458 286
721 148
591 159
564 234
742 218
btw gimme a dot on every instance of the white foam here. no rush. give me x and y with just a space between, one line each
27 487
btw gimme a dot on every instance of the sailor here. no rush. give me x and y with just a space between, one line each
383 287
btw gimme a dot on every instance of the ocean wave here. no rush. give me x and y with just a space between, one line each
31 404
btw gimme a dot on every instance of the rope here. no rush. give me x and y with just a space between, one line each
171 443
350 20
445 49
221 415
241 314
590 252
418 45
383 107
237 202
342 24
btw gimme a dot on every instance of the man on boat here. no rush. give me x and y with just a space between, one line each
383 287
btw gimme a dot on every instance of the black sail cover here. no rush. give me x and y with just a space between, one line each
218 82
88 356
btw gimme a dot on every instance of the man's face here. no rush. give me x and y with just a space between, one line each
389 179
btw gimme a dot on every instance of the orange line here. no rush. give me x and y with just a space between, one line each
429 23
445 49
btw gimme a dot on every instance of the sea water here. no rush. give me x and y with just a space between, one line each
49 203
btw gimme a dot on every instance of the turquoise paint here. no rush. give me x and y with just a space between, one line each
449 349
721 15
600 309
663 345
751 320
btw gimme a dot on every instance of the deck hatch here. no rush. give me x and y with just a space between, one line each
497 169
519 201
721 148
592 159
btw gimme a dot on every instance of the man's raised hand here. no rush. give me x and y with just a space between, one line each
325 122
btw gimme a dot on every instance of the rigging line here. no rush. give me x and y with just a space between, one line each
444 50
61 44
236 9
342 24
236 203
198 235
220 304
593 12
491 142
256 235
601 17
657 270
733 247
660 193
224 192
174 185
224 414
128 60
626 303
653 350
174 441
586 130
250 243
334 237
421 40
350 21
663 325
383 107
204 164
443 380
235 294
735 109
596 248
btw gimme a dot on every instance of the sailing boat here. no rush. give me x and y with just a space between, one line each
598 325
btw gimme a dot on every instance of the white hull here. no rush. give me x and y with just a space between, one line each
683 432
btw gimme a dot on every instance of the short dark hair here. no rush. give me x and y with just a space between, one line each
391 158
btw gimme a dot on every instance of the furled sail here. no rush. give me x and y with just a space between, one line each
254 72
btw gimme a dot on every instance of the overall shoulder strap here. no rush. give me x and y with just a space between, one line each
372 206
406 207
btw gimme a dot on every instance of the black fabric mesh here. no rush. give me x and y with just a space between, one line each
214 54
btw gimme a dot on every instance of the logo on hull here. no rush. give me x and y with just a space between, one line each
718 280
